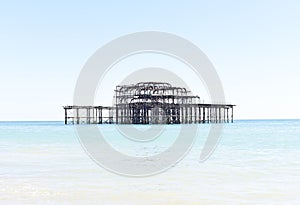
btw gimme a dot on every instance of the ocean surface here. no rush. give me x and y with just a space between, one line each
255 162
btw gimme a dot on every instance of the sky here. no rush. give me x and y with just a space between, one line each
254 46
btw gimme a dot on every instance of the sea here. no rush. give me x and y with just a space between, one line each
254 162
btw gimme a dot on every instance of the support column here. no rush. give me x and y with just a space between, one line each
232 114
227 115
208 114
96 116
66 116
77 115
203 119
191 114
186 114
216 114
100 115
199 119
196 115
220 117
88 116
117 114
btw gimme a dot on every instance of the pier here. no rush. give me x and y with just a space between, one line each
151 103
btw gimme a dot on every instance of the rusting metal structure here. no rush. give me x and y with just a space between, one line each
151 103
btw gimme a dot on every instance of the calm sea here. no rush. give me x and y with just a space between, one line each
256 162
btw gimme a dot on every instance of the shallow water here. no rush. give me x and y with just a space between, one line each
255 162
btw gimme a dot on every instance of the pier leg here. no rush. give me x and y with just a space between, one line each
232 114
66 116
227 115
117 114
191 113
216 115
208 115
100 115
88 115
199 115
186 114
219 115
77 115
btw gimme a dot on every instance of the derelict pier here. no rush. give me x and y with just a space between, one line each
151 103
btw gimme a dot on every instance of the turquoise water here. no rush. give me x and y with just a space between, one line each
256 162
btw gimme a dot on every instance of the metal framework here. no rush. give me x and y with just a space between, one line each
151 103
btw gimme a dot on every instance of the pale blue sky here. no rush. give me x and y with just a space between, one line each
254 45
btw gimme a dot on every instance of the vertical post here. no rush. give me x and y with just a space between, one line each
77 115
125 114
191 114
117 110
88 115
144 114
182 114
186 114
93 115
203 119
178 115
96 115
232 114
209 115
101 115
216 115
66 116
73 116
199 119
117 114
227 120
220 115
196 114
